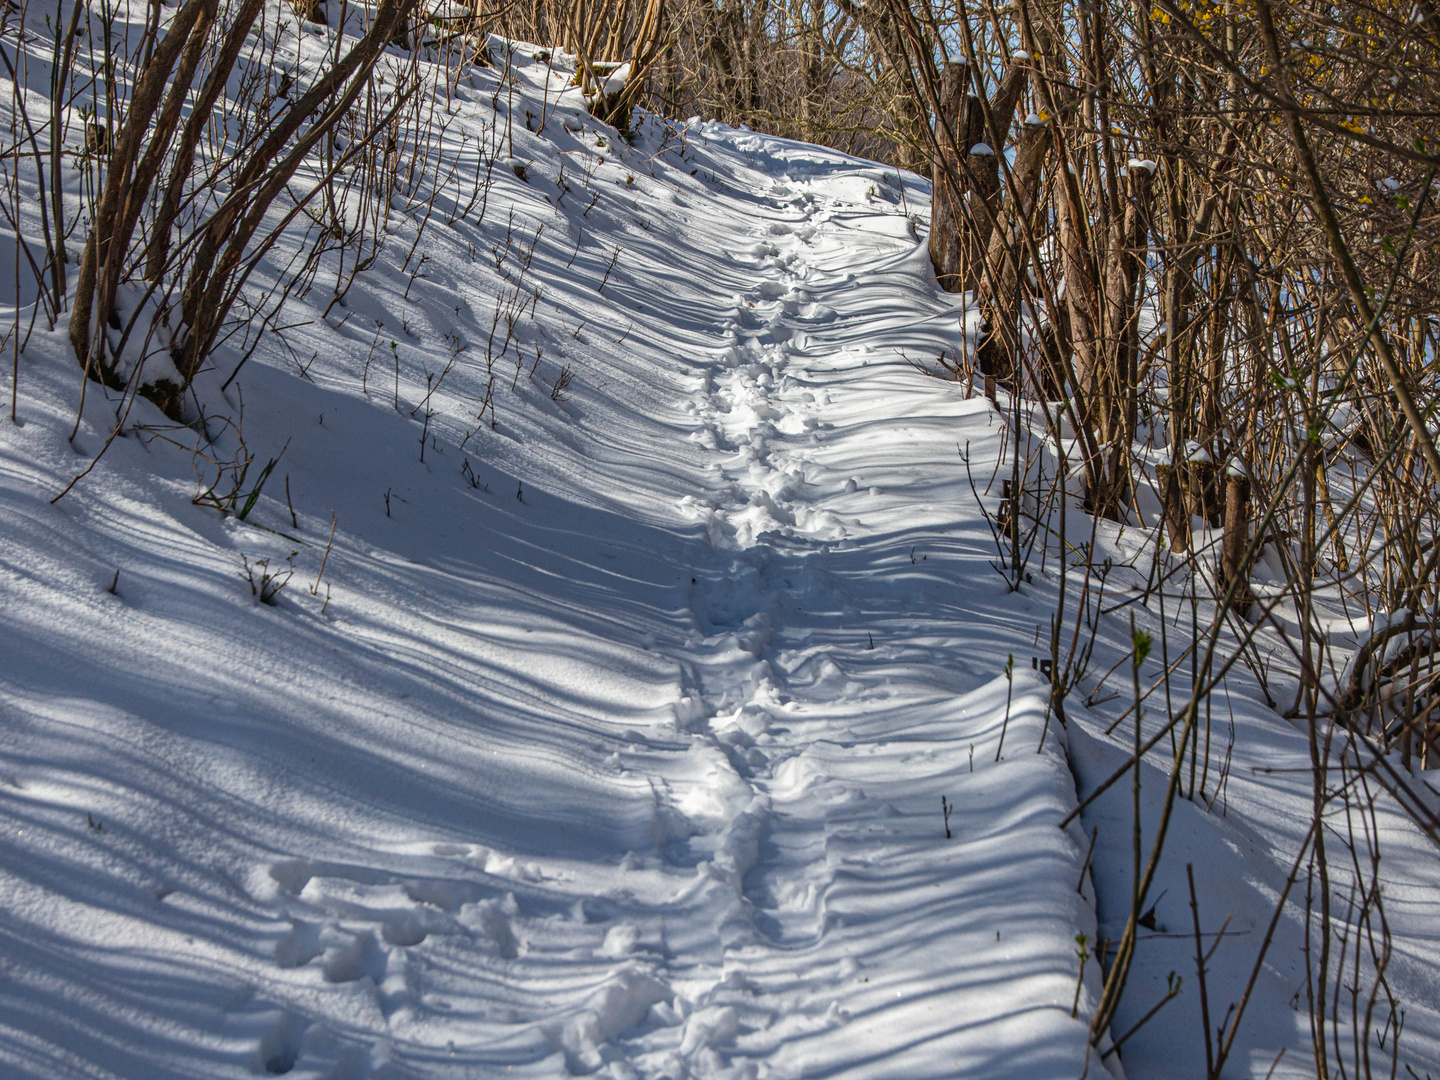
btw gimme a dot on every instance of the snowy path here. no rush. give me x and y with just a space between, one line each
625 758
830 858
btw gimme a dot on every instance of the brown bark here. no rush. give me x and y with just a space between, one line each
1172 501
1007 257
1233 566
984 209
994 131
1205 496
1125 268
967 191
101 258
208 292
1082 298
946 211
1008 252
210 90
137 191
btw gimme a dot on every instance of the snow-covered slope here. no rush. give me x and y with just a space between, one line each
646 727
629 759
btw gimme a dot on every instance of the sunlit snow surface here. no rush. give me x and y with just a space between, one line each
627 761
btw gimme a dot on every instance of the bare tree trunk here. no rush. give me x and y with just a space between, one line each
1233 566
947 211
105 247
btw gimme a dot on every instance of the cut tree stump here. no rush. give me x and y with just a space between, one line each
1234 567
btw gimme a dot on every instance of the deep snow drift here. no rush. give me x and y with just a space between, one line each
614 737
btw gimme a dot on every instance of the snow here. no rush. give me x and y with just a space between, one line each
611 739
615 81
1195 452
629 760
